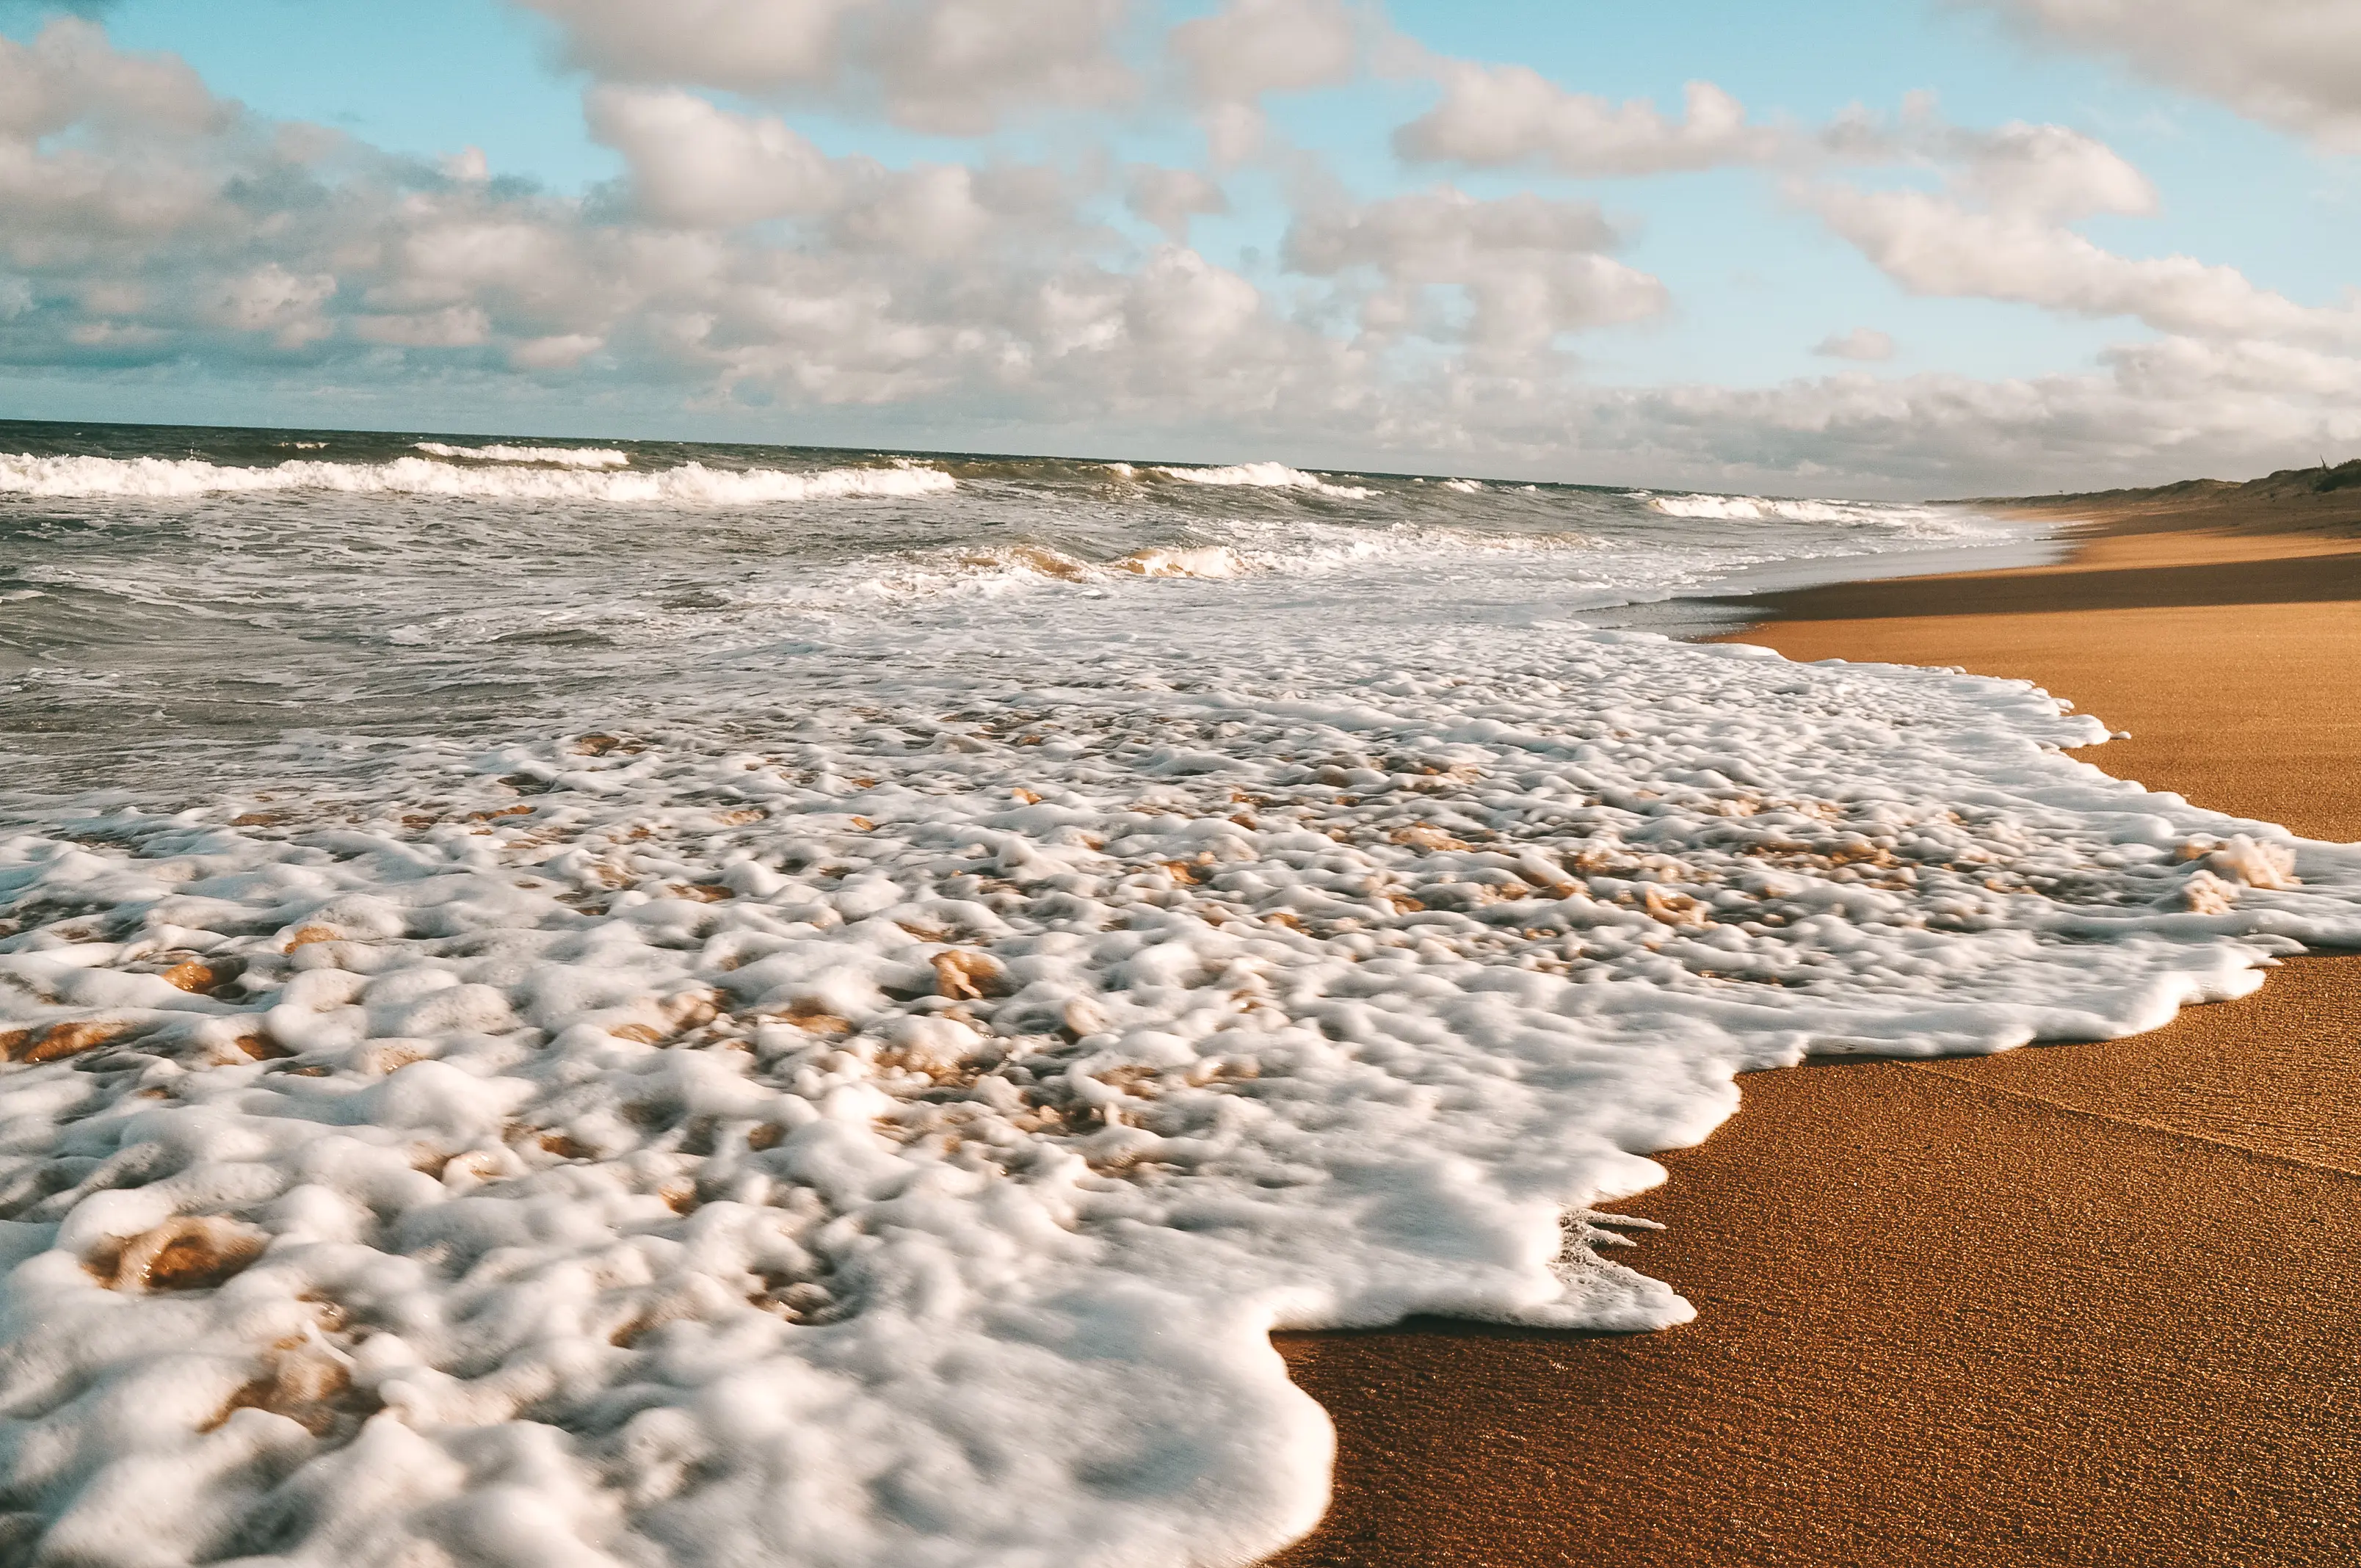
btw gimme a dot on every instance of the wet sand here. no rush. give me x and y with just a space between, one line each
2087 1303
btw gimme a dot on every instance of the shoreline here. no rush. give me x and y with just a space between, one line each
2066 1304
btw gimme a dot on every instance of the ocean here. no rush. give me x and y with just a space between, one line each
652 1004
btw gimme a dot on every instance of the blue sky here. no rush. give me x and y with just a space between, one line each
1750 271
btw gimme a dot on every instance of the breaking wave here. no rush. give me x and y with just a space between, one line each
1749 509
557 456
1264 477
691 484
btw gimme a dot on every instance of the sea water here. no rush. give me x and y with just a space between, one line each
649 1005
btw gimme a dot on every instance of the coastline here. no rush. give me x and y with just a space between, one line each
2068 1304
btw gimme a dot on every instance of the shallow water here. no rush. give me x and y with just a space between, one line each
818 1012
168 595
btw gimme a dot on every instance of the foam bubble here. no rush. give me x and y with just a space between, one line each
885 1132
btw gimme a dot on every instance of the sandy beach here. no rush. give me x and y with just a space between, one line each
1180 783
2079 1303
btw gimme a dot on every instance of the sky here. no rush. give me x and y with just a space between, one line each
1872 247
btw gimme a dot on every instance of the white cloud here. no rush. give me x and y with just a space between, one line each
696 165
1169 198
1497 115
1528 267
746 45
957 67
2048 171
1233 57
1999 229
1935 245
273 301
129 169
1863 343
1252 47
2171 364
562 351
467 165
71 75
735 258
2295 65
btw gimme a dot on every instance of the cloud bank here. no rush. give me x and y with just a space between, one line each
156 229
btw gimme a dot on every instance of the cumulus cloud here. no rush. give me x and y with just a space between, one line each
2047 171
1249 47
1999 227
694 165
2040 171
1937 245
129 189
163 225
1169 198
1863 343
735 258
1232 57
1497 116
1528 267
957 67
2295 65
128 173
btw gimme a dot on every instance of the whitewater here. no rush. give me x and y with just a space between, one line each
745 1006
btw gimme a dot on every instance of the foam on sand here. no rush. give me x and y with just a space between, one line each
886 1135
688 484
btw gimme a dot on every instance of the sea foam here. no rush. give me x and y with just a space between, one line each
1757 507
885 1132
1266 476
688 484
557 456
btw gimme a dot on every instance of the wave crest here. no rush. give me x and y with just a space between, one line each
557 457
1755 509
691 484
1264 477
